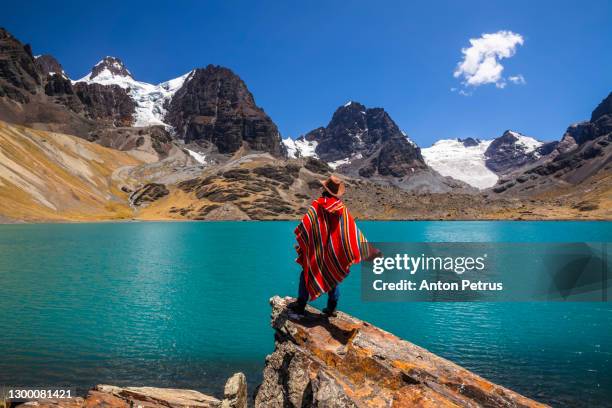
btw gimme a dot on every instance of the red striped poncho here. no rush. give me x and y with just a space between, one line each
328 243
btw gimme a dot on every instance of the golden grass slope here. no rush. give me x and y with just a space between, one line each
56 177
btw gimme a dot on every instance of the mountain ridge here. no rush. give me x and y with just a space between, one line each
206 150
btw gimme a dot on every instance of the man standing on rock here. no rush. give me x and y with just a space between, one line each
328 243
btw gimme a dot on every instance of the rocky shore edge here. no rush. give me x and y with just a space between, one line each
333 362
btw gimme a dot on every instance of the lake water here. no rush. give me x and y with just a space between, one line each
186 305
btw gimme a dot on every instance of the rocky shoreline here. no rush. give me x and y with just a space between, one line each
324 362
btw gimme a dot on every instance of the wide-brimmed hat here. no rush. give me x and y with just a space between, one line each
334 186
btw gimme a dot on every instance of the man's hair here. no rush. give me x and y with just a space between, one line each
325 193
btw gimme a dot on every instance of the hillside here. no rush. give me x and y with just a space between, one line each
52 176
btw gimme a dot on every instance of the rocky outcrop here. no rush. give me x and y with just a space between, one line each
109 396
215 105
345 362
235 392
106 104
19 77
148 193
47 65
512 151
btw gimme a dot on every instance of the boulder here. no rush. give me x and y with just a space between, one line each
235 392
345 362
110 396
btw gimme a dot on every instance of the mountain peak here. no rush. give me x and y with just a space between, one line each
469 142
110 66
604 108
48 65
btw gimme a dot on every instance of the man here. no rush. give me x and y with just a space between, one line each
328 243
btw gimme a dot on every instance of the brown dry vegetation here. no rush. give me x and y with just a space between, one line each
46 176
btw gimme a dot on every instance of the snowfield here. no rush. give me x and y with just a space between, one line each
450 157
149 98
300 148
529 144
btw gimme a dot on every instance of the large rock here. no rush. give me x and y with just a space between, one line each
345 362
109 396
235 392
215 105
148 193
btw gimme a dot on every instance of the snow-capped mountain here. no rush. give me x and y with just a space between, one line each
210 106
512 150
463 160
150 99
362 137
480 163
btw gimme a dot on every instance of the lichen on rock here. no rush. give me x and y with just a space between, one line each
345 362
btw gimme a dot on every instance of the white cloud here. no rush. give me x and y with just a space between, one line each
481 60
517 79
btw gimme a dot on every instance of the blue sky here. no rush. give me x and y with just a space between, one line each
301 60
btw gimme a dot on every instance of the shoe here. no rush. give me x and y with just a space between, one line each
330 310
297 308
327 311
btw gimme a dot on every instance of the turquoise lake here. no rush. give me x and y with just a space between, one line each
186 305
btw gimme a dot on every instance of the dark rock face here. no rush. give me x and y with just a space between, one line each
372 134
470 142
604 108
112 64
48 65
19 77
52 99
343 135
148 193
547 148
505 154
215 105
107 103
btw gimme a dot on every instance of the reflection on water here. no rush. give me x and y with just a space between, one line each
185 305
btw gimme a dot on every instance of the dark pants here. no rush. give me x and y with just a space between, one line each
332 296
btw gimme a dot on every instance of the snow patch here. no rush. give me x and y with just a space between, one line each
347 160
528 143
150 99
300 147
409 139
199 157
450 157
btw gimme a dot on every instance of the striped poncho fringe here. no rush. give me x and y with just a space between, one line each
328 243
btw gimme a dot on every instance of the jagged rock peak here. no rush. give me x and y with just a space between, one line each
215 105
4 34
350 115
604 108
113 65
49 65
469 142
